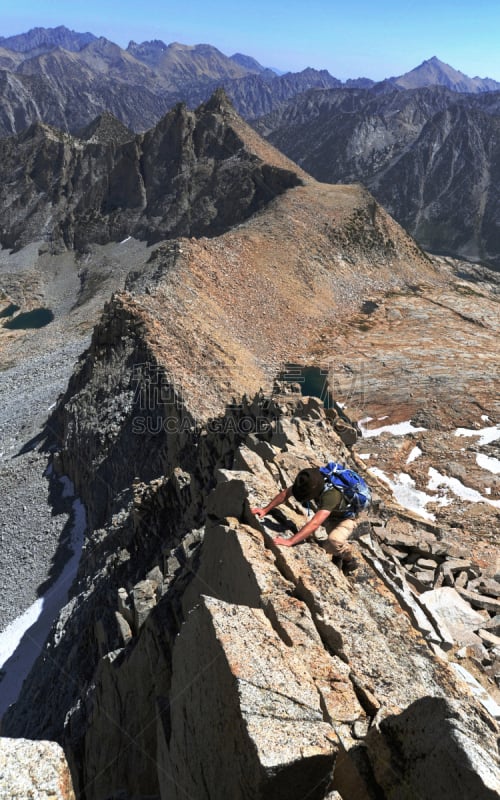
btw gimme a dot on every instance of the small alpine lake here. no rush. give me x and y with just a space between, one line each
28 320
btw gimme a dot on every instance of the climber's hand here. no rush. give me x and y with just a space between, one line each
283 542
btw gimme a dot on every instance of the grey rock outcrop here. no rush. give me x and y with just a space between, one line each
420 753
191 175
261 698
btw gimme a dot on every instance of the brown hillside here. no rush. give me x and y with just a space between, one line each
234 308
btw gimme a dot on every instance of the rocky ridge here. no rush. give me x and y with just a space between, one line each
305 236
168 479
181 579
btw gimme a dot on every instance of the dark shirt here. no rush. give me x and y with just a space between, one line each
333 501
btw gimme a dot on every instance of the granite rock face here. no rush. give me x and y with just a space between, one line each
252 671
422 753
262 709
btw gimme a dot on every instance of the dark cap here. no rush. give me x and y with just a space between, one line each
308 484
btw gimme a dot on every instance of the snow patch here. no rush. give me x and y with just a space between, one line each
458 488
486 435
13 633
398 429
22 640
415 453
407 495
477 690
489 463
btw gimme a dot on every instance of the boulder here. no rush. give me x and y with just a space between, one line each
144 599
433 749
480 601
34 769
452 614
486 586
228 497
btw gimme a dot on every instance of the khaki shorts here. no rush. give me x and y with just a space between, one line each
334 535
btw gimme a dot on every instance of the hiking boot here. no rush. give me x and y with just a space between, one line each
348 567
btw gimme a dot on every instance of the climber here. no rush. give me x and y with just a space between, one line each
335 514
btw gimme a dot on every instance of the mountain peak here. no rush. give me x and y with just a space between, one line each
434 72
218 102
248 63
106 128
47 39
151 43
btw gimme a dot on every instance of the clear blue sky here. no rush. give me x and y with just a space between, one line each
349 38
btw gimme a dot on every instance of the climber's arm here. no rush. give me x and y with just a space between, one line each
318 519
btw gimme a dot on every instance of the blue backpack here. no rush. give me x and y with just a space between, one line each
353 487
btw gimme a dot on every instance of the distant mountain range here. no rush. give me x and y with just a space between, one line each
424 143
44 39
66 79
